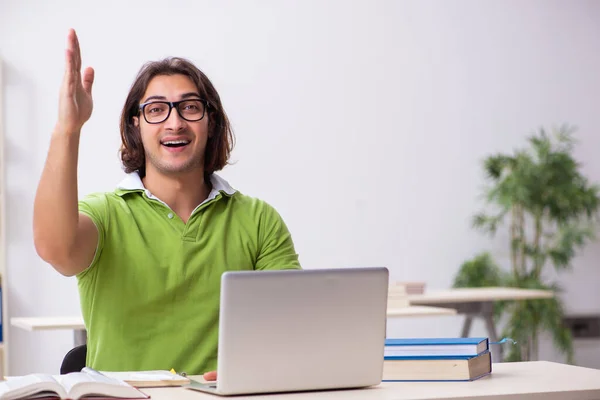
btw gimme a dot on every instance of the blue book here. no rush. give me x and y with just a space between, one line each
435 347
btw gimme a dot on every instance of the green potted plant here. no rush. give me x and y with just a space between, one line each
539 196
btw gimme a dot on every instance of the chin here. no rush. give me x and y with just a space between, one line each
178 168
174 165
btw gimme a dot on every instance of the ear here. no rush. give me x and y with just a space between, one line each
136 122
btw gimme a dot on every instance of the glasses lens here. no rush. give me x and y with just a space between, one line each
192 110
156 112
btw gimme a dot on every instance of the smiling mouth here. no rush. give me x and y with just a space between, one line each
175 143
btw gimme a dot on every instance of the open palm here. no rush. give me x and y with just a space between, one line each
75 102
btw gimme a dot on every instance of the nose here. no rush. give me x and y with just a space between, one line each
174 122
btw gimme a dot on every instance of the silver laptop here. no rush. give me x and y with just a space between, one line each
300 330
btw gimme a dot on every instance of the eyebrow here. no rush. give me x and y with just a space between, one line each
183 96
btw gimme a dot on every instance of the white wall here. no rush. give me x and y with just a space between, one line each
363 122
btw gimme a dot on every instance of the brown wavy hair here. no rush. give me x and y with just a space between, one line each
220 141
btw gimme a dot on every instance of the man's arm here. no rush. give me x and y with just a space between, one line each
63 237
277 250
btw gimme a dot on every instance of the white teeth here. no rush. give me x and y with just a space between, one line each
176 142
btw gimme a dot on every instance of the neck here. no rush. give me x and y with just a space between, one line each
182 192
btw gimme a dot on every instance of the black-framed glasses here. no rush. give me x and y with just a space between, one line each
156 112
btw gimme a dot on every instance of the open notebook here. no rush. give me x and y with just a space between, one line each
76 385
145 379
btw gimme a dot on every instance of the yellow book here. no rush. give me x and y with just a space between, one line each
438 369
143 379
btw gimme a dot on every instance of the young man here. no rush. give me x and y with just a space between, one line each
149 256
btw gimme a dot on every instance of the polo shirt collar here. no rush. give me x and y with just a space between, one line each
133 183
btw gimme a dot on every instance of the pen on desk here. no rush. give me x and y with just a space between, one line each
181 373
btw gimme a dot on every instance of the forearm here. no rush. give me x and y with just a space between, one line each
56 215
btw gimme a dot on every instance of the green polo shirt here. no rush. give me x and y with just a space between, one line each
150 298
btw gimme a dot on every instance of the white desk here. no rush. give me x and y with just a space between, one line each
75 324
477 302
398 304
470 295
419 311
538 380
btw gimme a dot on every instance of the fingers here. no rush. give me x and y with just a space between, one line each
73 51
76 51
68 62
70 36
88 79
210 376
69 77
72 76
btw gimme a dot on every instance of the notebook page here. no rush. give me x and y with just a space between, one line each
28 384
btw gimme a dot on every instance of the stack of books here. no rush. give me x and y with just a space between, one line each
436 359
415 287
409 287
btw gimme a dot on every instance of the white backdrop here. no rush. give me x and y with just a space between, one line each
364 123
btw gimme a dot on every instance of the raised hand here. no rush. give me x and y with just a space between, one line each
75 101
